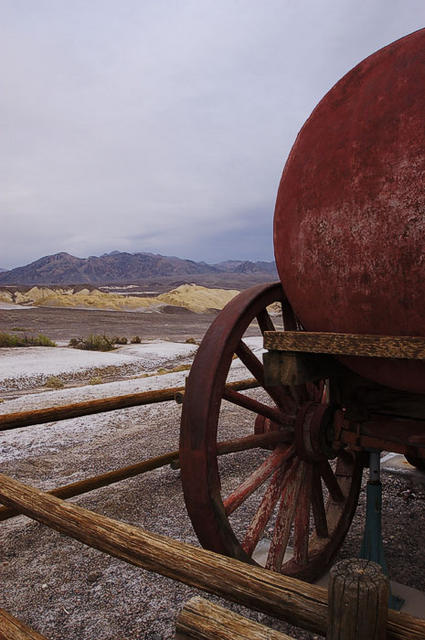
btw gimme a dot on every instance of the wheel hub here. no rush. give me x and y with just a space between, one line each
314 431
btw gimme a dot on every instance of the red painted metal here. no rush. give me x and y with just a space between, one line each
349 228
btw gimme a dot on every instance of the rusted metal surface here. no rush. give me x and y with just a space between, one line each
274 481
349 227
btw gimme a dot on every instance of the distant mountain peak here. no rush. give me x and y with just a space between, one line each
119 267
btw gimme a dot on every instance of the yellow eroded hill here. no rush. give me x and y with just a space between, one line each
190 296
6 296
94 299
197 298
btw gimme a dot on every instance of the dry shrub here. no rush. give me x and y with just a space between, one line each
9 340
93 343
53 382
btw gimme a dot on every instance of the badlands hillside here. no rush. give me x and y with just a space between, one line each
192 297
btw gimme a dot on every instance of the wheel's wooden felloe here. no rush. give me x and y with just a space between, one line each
299 506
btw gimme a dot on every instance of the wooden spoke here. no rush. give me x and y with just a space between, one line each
257 407
265 510
280 396
251 361
256 478
289 320
264 321
346 460
293 480
302 518
331 482
318 505
254 441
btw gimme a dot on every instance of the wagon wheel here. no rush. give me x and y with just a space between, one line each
290 490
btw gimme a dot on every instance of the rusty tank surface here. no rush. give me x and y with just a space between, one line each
349 226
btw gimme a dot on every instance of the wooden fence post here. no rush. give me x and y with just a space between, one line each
357 601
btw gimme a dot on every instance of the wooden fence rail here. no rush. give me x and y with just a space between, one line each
13 629
296 602
102 405
202 620
110 477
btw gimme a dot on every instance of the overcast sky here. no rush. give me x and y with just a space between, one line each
164 125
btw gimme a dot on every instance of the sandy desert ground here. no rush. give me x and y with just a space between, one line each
68 591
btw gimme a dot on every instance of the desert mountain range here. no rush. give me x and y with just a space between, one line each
120 267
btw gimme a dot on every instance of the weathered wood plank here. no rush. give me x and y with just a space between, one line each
13 629
282 368
203 620
54 414
347 344
358 601
292 600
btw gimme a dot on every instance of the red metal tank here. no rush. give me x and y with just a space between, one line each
349 226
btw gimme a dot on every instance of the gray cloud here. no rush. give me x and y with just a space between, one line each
164 125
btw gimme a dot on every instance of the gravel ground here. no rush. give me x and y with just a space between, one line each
64 324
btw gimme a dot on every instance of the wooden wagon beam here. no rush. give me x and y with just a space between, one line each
296 602
347 344
76 410
13 629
